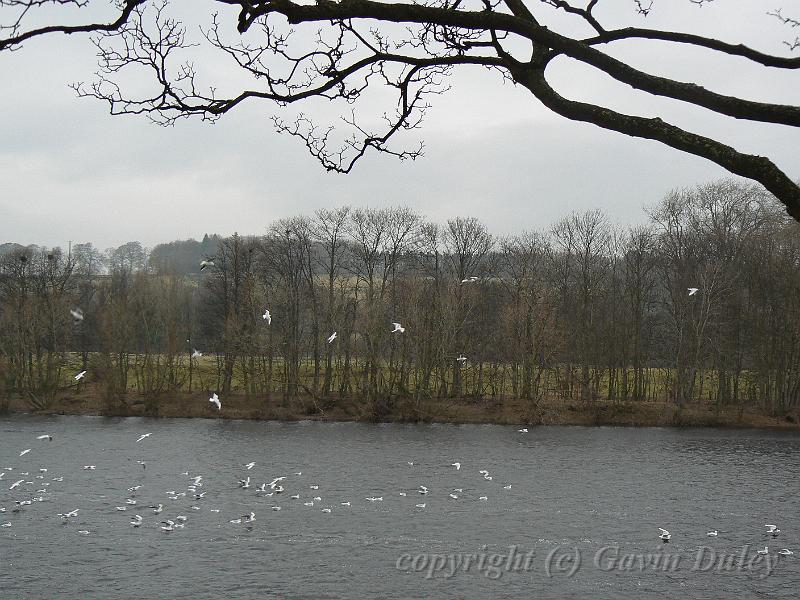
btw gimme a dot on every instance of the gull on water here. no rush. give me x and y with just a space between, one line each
692 291
250 465
46 436
764 551
772 530
157 509
16 484
141 462
665 535
398 328
457 465
332 337
80 375
143 436
345 503
507 487
375 498
712 533
89 467
785 552
326 510
267 316
483 498
215 401
420 505
244 483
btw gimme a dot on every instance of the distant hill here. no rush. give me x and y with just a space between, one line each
182 256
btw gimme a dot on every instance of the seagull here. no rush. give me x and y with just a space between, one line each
267 316
423 490
83 532
196 353
457 465
785 552
712 533
398 328
462 359
523 430
375 499
665 535
141 462
332 337
764 551
244 483
167 525
454 496
295 497
45 437
80 375
772 530
136 520
16 484
420 505
77 314
206 263
215 401
507 487
403 494
274 483
471 279
130 501
314 487
308 504
157 509
24 452
6 524
345 503
89 467
250 465
326 510
144 435
121 508
692 291
483 498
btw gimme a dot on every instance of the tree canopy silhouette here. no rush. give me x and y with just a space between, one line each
293 51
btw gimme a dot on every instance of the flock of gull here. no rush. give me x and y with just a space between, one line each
278 491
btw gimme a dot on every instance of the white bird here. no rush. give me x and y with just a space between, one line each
403 494
24 452
454 496
83 532
206 263
276 508
326 510
462 359
772 530
267 316
274 483
398 328
244 483
483 498
314 487
167 525
157 509
89 467
250 465
16 484
196 353
80 375
764 551
130 501
141 462
712 533
121 508
308 504
523 430
785 552
457 465
423 490
249 518
332 337
665 535
375 499
46 436
143 436
77 314
345 503
295 497
6 525
692 291
215 401
507 487
420 505
471 279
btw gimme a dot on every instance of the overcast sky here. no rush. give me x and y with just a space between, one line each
69 171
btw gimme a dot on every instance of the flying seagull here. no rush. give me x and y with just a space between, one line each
215 401
196 353
471 279
250 465
24 452
144 435
77 314
398 328
267 316
692 291
80 375
206 263
332 337
665 535
462 359
45 437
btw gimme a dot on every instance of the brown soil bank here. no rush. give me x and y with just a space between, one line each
508 411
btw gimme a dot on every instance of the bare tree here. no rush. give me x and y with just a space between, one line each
292 52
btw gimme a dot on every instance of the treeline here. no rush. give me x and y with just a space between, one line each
582 311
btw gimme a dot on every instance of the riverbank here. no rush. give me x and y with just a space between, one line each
507 411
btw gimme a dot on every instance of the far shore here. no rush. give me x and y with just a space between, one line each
506 411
